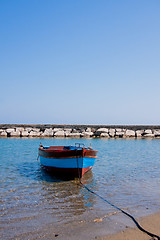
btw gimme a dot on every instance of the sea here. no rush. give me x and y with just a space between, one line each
37 205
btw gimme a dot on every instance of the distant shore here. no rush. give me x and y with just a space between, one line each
79 131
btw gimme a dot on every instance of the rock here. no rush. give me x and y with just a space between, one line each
156 133
119 130
68 130
20 129
99 131
57 129
59 133
148 135
106 135
24 133
73 135
9 130
86 134
93 130
48 132
97 134
34 134
75 131
28 129
112 132
102 130
148 131
3 133
139 133
15 134
119 134
130 133
36 129
88 129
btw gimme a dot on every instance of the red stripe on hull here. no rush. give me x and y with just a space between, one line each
67 172
65 153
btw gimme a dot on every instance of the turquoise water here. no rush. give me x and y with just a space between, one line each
126 173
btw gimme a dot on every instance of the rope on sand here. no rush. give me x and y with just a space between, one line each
119 209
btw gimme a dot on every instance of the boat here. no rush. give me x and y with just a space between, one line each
69 161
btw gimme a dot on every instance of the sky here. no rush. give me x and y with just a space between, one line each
80 62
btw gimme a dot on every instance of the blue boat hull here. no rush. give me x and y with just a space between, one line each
73 166
73 161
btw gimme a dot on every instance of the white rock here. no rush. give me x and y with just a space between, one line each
68 130
15 134
3 133
73 135
75 131
148 131
48 132
88 129
149 135
112 132
28 129
34 134
57 129
59 134
36 129
119 133
156 132
119 130
106 135
9 130
139 133
130 133
20 129
102 130
25 134
86 134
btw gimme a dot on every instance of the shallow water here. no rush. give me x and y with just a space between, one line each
126 173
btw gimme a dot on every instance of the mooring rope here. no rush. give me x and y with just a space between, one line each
114 206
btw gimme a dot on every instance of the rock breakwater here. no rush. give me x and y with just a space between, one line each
79 131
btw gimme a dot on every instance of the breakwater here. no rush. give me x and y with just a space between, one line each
79 131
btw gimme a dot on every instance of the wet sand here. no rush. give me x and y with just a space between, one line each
150 223
118 227
115 227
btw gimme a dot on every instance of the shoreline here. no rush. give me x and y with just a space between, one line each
115 227
150 223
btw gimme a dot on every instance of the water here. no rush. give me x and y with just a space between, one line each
34 204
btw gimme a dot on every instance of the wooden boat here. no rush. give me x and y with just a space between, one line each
68 161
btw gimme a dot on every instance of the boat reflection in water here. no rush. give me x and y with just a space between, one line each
65 199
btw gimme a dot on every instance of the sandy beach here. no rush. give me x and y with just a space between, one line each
119 228
150 223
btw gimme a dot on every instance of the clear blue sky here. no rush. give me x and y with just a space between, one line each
80 62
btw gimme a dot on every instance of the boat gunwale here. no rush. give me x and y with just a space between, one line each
80 156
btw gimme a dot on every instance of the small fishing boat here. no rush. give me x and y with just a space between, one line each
69 161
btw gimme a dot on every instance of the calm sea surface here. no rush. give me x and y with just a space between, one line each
126 173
